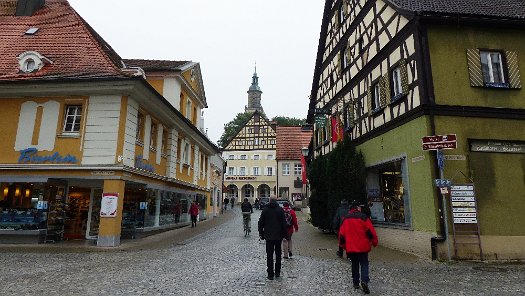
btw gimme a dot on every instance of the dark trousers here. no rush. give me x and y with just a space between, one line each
273 246
193 220
359 260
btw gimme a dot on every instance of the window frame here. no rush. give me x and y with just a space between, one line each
285 168
376 96
256 171
502 71
242 171
297 169
243 157
76 117
256 156
396 83
231 171
269 171
231 157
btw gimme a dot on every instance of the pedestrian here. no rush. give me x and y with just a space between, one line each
272 228
233 201
291 225
194 212
226 201
340 215
357 234
247 211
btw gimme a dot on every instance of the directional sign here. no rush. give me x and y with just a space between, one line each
442 183
439 142
463 204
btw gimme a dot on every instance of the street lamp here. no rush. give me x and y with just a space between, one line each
304 152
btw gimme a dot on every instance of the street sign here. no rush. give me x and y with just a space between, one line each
439 142
463 204
442 183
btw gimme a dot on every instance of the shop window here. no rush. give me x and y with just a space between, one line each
73 116
388 199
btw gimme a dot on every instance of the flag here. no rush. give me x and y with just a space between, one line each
303 164
340 130
334 129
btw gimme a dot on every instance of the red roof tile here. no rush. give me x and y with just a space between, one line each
75 49
290 140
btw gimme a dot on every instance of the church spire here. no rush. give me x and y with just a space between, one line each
254 94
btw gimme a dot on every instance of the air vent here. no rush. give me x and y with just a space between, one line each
31 31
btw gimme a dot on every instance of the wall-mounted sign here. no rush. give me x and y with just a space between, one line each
320 121
143 205
240 178
463 204
497 146
439 142
30 155
109 205
143 165
41 205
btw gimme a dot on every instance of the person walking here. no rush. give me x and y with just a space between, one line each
247 211
340 215
357 235
233 201
194 212
226 201
272 228
291 225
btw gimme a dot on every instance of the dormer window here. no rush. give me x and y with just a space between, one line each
32 61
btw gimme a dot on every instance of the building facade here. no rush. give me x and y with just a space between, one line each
92 149
397 71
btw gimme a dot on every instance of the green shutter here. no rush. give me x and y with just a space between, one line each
404 76
474 67
369 100
513 69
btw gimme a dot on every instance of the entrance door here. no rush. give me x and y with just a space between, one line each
94 214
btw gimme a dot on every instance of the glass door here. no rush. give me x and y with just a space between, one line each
94 213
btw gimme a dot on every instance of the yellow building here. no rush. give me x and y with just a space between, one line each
93 147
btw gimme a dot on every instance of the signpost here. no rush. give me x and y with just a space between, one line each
439 142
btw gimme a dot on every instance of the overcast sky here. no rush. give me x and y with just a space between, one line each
226 37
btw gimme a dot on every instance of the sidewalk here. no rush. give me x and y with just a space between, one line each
156 241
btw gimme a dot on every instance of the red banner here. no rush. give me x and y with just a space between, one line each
303 164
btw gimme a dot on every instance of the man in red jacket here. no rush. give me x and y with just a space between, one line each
357 235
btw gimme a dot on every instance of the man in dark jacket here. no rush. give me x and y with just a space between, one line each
358 235
247 210
272 228
340 215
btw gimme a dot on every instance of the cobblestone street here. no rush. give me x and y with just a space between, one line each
220 261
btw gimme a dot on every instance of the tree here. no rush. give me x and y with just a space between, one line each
341 174
288 121
232 128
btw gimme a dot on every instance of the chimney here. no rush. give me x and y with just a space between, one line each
7 7
28 7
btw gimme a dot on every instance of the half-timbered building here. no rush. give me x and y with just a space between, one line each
395 71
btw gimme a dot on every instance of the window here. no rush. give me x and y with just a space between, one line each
139 129
188 109
250 130
341 14
186 154
231 171
256 157
263 142
269 171
231 157
242 171
344 59
492 67
30 65
256 141
72 119
397 87
263 130
269 156
243 157
165 142
286 169
376 96
272 142
297 169
256 171
153 138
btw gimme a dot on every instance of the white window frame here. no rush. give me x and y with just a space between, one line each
489 55
256 171
256 157
269 157
269 171
243 157
242 171
186 154
188 109
231 157
397 87
376 96
76 119
231 171
297 169
286 169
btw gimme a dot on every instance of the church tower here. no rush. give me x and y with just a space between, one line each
254 95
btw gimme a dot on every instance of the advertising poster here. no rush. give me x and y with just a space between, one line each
109 204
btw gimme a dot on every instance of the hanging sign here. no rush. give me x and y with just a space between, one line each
439 142
109 205
463 204
320 121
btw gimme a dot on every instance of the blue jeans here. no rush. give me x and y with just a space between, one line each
359 260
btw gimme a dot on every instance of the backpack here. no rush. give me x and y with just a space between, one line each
288 218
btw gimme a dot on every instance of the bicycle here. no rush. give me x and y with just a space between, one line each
246 219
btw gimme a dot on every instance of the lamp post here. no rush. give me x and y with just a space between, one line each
304 152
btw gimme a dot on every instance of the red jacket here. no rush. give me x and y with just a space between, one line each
194 210
294 221
357 233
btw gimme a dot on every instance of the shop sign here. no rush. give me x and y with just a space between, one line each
418 158
143 205
141 164
240 178
108 205
498 146
41 205
463 204
439 142
320 121
30 155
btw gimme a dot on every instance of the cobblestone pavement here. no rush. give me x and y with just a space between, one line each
215 259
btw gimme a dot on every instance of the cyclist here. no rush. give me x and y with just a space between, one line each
247 210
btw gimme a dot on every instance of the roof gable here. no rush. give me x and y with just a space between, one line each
290 140
256 134
74 48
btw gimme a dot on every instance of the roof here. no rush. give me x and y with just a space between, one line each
514 9
290 140
73 47
156 65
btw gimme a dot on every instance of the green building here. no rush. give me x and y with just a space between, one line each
396 71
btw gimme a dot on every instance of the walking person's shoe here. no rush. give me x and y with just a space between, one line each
365 287
356 286
290 254
277 275
270 277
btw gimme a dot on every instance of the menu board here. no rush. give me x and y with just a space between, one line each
463 201
109 204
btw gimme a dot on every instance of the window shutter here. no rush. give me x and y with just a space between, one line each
474 67
369 100
350 114
404 76
513 69
338 66
384 89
